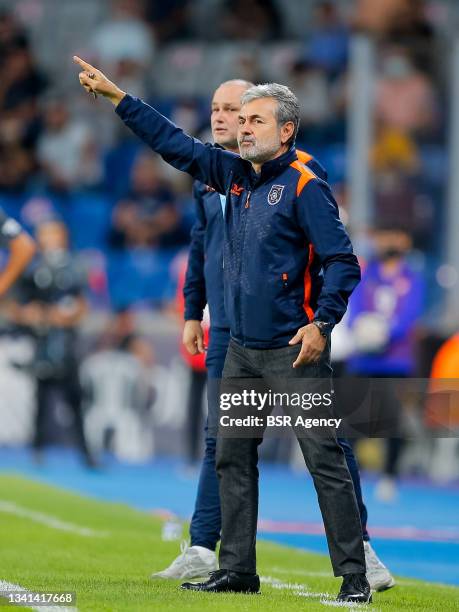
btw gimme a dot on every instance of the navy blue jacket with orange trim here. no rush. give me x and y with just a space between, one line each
287 257
204 274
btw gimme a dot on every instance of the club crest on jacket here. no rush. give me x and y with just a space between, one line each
275 194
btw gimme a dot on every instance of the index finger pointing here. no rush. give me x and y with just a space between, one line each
82 63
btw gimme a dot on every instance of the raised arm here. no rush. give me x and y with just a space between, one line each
205 163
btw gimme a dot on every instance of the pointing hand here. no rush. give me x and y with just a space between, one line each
94 81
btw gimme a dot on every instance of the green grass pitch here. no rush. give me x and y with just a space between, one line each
110 569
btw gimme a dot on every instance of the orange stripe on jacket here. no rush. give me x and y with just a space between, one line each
306 175
308 285
303 157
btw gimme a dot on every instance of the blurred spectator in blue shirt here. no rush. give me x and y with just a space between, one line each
147 216
383 313
386 307
328 44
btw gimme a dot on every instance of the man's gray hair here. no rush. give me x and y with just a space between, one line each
288 107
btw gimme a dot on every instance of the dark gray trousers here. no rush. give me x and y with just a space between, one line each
237 461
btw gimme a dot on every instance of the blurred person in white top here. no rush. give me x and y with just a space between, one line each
67 151
124 45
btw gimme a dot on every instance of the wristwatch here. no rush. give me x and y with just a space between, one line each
324 328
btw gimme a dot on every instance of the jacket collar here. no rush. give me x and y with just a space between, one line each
274 167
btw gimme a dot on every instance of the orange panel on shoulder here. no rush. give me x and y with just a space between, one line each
306 175
303 157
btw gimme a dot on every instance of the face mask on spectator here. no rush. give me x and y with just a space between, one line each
391 253
397 67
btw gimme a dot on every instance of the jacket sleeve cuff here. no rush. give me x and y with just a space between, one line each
326 318
193 313
122 107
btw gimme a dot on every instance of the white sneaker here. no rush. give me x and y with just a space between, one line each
193 562
378 575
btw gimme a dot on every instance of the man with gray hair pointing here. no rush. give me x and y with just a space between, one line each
289 270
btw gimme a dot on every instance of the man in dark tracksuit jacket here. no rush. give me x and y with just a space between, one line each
289 270
204 286
21 249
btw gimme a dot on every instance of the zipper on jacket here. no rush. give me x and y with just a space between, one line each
246 206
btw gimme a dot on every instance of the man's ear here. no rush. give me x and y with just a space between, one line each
286 131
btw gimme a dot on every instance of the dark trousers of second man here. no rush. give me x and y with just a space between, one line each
237 469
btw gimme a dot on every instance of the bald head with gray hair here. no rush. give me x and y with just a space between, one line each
288 107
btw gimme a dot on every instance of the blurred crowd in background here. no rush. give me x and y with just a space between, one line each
66 159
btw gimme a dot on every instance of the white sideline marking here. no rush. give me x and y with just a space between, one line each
9 586
326 599
49 521
291 586
347 604
300 572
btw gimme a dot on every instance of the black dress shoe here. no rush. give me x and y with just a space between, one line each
356 588
226 580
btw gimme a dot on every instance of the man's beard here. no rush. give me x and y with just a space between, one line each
260 153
